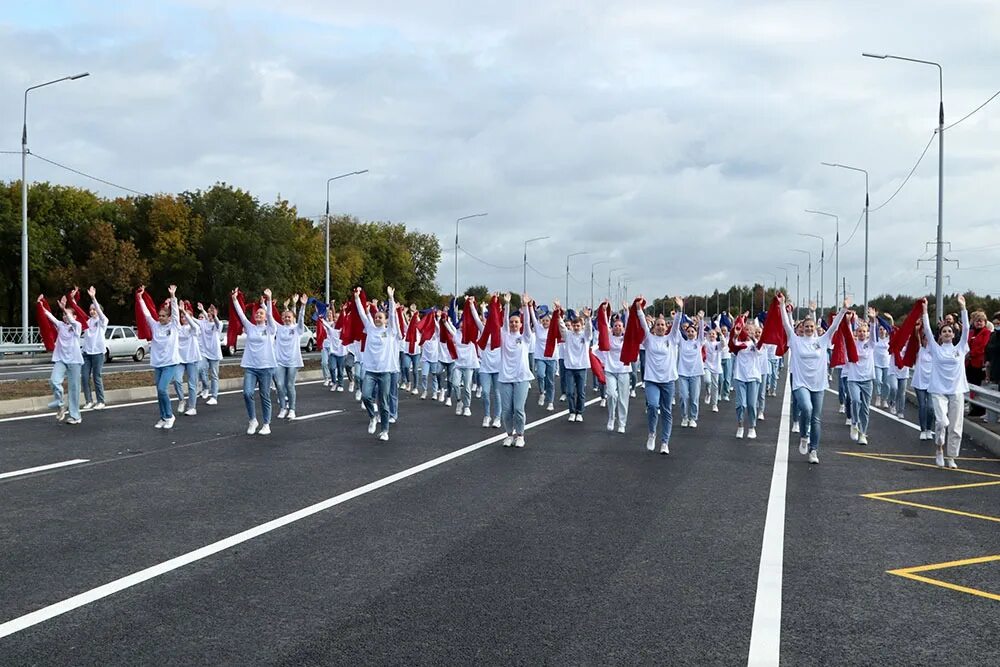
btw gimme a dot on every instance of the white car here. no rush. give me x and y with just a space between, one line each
122 341
307 342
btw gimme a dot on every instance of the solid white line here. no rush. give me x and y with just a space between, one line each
765 635
34 618
317 414
891 416
118 406
50 466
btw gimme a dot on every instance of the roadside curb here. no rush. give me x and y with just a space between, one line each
41 403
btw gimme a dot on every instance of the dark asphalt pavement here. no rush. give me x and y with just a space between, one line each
582 548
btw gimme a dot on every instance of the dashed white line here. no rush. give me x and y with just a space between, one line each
50 466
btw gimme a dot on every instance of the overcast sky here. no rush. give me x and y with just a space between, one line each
680 141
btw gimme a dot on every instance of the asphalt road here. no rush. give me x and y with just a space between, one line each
582 548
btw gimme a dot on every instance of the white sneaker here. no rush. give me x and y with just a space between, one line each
486 421
923 435
479 392
291 415
159 424
467 412
572 417
448 401
357 395
842 409
752 433
541 399
458 408
579 418
327 383
848 422
760 417
739 432
951 463
264 430
632 393
604 402
664 449
651 442
212 401
795 428
88 405
384 436
350 386
61 414
715 408
803 446
611 424
190 412
282 412
855 433
899 415
621 428
693 424
252 427
550 407
685 422
508 441
441 397
100 406
392 420
862 439
708 401
813 457
562 398
939 458
372 424
169 423
413 391
181 406
496 422
519 441
204 395
423 396
72 422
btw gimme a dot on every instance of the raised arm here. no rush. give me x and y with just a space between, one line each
175 315
392 319
101 317
362 311
143 308
239 311
841 314
965 324
928 332
475 318
588 326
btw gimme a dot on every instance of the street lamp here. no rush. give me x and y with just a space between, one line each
797 277
782 268
467 217
603 261
844 166
24 203
614 270
524 287
809 269
938 280
822 261
575 254
327 216
763 291
836 251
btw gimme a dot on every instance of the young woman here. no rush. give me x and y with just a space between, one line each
576 350
897 379
617 374
766 369
430 353
210 330
884 386
187 344
713 369
690 369
411 367
979 337
446 364
93 352
379 359
921 384
466 363
258 361
489 377
747 376
948 385
727 364
660 374
808 366
164 354
860 380
335 350
288 352
515 374
545 367
67 361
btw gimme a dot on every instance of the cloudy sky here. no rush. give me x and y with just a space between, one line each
680 142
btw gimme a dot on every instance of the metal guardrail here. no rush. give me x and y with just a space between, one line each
13 336
986 397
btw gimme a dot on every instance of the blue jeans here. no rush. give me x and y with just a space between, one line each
285 378
431 369
842 393
491 394
414 370
899 401
545 371
380 383
324 362
861 400
925 411
444 380
512 398
261 378
882 387
461 379
575 386
162 377
191 370
659 405
727 377
810 406
336 368
93 367
746 402
772 379
394 396
689 387
208 375
71 372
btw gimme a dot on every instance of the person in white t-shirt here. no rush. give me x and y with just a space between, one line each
67 360
288 352
210 331
948 385
713 369
515 375
380 359
617 375
258 362
164 354
94 347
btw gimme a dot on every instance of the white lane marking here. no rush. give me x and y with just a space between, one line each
891 416
117 406
34 618
765 635
317 414
50 466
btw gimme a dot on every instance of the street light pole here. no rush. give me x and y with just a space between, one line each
603 261
939 263
797 284
575 254
614 270
24 203
466 217
822 262
836 252
327 216
524 286
844 166
782 268
809 283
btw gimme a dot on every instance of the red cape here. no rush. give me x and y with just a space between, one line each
603 330
47 330
141 325
634 332
492 326
774 330
554 334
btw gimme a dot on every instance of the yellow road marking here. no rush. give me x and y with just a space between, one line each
934 508
928 489
878 457
911 573
922 456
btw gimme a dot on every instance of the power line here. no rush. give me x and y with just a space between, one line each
856 226
95 178
992 97
543 275
483 261
905 180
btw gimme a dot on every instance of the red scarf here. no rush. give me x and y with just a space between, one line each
426 326
141 324
235 328
904 331
81 316
603 330
774 330
470 332
554 333
597 368
492 326
47 330
844 347
635 333
353 328
320 333
447 338
411 333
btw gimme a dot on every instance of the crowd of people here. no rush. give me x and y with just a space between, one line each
496 354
